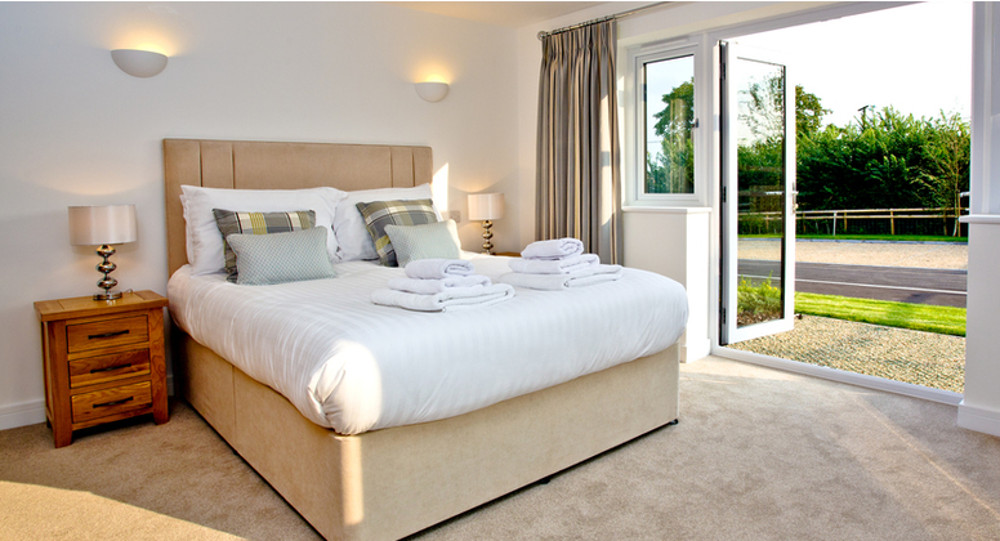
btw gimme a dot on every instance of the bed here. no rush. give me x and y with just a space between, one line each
390 482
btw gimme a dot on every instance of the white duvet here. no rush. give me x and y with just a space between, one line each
353 366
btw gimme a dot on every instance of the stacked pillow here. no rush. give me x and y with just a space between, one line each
393 225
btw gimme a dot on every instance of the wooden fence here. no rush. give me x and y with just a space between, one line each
907 221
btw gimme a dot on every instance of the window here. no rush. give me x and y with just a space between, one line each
664 120
668 104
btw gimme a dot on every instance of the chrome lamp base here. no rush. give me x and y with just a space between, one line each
107 283
487 237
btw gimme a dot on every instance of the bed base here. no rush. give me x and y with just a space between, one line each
390 483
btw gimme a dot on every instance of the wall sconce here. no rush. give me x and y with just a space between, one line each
486 207
432 91
103 226
139 63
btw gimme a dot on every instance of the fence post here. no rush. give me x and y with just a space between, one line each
892 223
834 223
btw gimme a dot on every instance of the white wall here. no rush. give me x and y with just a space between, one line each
74 130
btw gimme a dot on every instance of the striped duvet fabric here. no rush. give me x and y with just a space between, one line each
353 366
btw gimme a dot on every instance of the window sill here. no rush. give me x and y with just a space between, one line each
666 209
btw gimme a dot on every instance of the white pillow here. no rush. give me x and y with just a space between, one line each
349 226
204 241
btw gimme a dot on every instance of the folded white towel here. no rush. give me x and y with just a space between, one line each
434 269
454 299
430 287
555 266
553 282
553 249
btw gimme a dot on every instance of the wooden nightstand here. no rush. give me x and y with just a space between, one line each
104 361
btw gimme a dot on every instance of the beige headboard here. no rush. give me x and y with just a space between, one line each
271 165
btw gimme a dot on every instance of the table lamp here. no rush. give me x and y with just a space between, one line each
103 226
486 207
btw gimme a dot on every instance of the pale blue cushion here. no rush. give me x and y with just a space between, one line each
434 240
276 258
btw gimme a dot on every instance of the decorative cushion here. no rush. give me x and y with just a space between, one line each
379 214
205 252
349 226
281 257
433 240
258 223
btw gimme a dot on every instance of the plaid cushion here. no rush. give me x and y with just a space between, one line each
257 223
379 214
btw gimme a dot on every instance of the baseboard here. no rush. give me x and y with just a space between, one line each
22 414
979 419
33 411
697 349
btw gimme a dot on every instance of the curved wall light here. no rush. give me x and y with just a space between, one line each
139 63
432 91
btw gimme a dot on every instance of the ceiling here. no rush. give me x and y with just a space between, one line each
511 14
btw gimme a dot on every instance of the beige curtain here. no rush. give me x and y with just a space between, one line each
578 170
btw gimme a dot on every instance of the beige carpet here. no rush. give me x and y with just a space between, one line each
759 454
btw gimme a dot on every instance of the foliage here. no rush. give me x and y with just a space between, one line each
809 112
884 160
894 161
920 317
948 153
672 169
757 302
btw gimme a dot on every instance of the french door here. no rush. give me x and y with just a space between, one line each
758 195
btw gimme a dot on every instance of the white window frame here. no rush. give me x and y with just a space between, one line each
635 153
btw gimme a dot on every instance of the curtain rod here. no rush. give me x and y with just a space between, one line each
543 34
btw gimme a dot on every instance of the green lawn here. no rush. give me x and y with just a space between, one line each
920 317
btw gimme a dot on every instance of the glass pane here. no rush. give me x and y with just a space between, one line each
760 161
668 113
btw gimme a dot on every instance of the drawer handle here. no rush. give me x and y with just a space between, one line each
110 368
107 334
112 403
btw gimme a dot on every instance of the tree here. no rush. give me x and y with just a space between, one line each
947 151
809 113
671 169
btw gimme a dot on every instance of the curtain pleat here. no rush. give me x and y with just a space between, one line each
578 170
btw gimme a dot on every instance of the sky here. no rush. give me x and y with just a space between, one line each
916 58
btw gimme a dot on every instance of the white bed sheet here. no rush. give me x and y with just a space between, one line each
353 366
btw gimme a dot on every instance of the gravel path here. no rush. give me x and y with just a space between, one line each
889 254
922 358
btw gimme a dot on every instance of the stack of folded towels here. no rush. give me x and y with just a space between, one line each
437 285
558 264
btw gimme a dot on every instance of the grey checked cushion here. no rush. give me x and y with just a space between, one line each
257 223
379 214
281 257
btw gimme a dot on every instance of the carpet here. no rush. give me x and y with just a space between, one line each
759 454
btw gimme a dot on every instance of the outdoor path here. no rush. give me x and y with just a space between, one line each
886 254
941 287
921 273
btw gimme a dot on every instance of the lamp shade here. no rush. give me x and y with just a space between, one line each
432 91
138 63
107 224
485 206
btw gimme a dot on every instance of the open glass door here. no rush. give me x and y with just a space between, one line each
758 196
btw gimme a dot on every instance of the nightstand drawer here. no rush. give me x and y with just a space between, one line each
108 368
110 332
111 401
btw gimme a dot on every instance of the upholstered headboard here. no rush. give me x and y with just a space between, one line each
272 165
